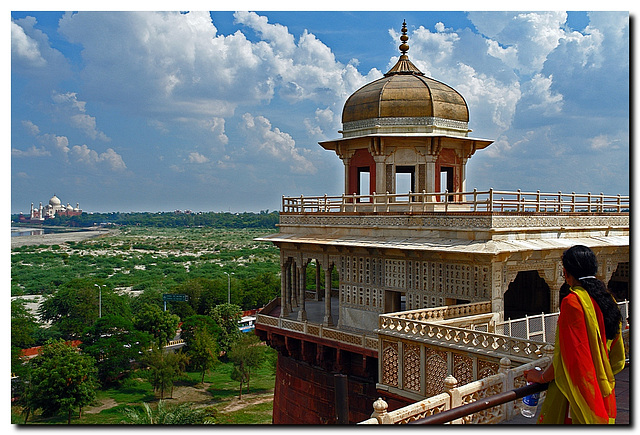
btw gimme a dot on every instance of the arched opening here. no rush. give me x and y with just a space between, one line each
619 282
527 295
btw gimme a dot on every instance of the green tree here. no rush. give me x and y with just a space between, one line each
151 296
227 317
113 342
246 355
161 324
202 352
164 368
214 292
257 291
61 380
23 325
196 323
184 413
23 329
74 307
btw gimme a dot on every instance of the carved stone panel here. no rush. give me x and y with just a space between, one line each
436 371
390 363
411 367
462 369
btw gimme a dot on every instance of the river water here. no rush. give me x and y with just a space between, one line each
23 231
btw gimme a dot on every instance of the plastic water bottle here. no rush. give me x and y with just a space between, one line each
530 402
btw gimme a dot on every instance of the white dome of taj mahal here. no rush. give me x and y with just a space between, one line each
54 200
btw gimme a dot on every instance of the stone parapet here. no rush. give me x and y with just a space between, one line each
465 226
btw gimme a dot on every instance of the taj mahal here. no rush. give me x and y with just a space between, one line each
51 210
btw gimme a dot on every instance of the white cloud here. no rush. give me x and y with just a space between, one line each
542 97
181 64
59 143
69 99
216 126
83 154
324 120
495 102
271 141
33 57
196 157
184 68
30 152
113 160
277 34
24 48
33 129
79 153
68 105
604 142
88 125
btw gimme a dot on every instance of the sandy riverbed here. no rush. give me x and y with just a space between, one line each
56 239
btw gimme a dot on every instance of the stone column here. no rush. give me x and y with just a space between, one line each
294 285
430 182
381 176
554 299
328 319
497 289
302 274
463 176
346 162
318 294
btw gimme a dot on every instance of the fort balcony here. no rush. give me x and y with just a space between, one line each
472 216
428 361
400 293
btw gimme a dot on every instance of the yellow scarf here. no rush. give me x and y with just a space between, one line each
601 355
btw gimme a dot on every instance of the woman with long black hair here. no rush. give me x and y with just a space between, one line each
588 348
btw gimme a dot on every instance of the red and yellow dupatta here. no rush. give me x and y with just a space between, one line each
584 364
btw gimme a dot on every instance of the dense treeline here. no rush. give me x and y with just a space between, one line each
264 219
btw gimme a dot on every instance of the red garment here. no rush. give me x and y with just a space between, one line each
584 364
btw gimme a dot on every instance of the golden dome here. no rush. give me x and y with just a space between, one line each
405 100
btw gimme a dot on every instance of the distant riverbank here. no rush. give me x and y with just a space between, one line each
57 238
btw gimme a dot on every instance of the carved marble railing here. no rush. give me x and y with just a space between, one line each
507 379
474 201
320 331
445 313
444 335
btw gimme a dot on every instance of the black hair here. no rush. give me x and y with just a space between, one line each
579 261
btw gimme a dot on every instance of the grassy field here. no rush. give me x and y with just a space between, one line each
137 258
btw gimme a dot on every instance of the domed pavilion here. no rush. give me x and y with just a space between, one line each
405 123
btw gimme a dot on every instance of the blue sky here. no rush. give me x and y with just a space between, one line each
223 111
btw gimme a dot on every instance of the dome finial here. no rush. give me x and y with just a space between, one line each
404 47
404 65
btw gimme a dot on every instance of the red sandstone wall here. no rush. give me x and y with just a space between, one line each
305 394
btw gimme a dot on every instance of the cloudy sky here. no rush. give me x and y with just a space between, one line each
223 111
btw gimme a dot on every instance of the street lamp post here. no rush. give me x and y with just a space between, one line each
100 299
228 286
